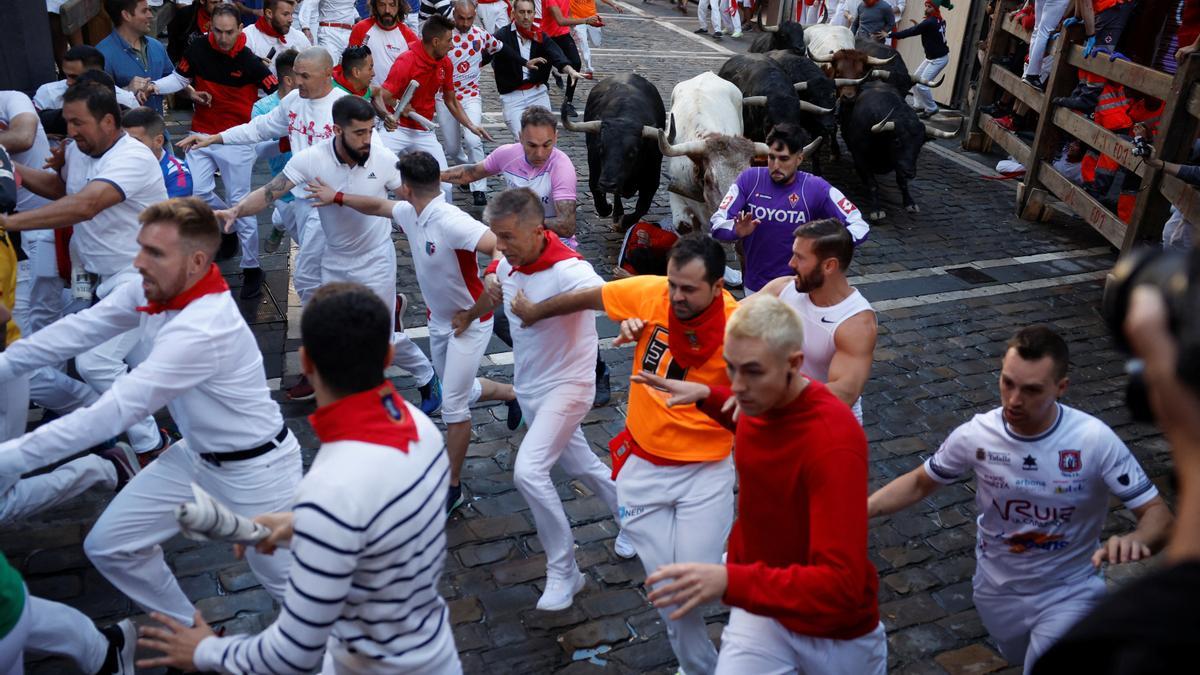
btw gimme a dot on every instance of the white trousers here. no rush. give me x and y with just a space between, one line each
103 364
305 228
34 494
1047 15
60 630
516 102
679 514
456 359
12 645
125 543
334 40
1026 626
377 272
928 70
708 12
14 407
236 163
1177 232
493 15
402 139
584 34
756 644
554 437
39 288
462 146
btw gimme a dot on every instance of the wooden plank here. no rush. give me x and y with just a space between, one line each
1083 204
1005 139
1012 83
1015 29
995 44
1182 196
1193 104
1045 136
1141 78
1103 140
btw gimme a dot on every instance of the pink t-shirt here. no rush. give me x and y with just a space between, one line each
553 181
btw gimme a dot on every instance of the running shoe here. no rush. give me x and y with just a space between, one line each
122 643
623 547
736 34
701 31
454 498
252 283
560 593
479 198
274 240
514 415
603 389
301 391
401 307
431 396
124 460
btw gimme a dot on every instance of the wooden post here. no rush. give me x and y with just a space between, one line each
1045 135
997 40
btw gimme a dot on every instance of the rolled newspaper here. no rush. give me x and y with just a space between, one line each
406 98
207 519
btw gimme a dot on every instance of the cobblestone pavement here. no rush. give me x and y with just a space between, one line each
951 284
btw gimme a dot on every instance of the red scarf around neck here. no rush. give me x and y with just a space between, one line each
555 252
203 18
339 76
535 32
266 28
211 282
375 416
693 341
237 46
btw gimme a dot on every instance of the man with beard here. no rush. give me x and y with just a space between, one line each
230 76
839 324
385 33
672 465
356 247
273 33
765 204
107 179
131 56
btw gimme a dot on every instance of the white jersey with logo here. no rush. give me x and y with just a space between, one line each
820 326
443 240
107 243
554 351
12 104
386 44
466 54
268 47
348 233
1042 500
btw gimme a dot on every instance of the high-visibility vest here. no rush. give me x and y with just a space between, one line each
1087 167
1112 110
1140 112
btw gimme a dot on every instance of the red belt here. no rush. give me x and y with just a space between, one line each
330 24
527 86
623 445
490 2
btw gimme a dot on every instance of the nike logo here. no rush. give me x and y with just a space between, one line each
824 320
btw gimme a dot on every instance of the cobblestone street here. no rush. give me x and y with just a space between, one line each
950 285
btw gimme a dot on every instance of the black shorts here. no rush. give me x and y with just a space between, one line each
567 44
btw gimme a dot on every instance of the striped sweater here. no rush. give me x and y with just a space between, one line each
368 549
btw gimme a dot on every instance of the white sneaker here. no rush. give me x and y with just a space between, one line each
733 278
122 643
560 593
736 34
623 547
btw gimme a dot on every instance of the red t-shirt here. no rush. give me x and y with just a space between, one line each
550 27
798 550
433 76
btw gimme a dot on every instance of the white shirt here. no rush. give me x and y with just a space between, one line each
369 548
443 240
348 233
12 104
201 362
314 12
523 46
107 243
268 47
556 351
49 96
304 121
386 46
466 55
820 327
1042 500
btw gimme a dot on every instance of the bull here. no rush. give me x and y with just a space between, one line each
769 96
885 135
788 35
706 148
866 60
622 119
814 86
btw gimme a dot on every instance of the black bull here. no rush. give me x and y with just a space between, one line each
621 119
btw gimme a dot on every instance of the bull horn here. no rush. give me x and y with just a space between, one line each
876 61
761 149
812 147
927 83
649 132
805 106
884 125
754 100
933 132
813 57
591 127
879 74
849 81
770 29
688 149
800 86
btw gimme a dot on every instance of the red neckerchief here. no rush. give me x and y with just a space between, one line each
536 35
210 283
340 78
555 252
266 28
375 416
203 19
238 46
693 341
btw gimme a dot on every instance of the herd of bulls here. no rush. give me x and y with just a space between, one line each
819 77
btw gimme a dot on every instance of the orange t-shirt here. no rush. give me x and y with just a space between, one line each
582 9
682 433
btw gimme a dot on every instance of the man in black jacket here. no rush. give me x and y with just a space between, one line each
188 23
523 65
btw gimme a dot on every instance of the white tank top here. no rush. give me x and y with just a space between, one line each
820 324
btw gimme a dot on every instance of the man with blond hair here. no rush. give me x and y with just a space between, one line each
796 442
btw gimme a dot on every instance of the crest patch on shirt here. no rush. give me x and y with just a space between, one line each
1070 461
430 248
793 198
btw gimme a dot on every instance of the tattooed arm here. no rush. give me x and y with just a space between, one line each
563 223
255 201
465 173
